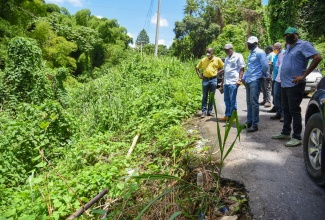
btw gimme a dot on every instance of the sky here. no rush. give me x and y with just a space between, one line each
135 15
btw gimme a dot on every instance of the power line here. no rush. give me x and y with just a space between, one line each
148 18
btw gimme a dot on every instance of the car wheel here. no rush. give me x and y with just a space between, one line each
312 147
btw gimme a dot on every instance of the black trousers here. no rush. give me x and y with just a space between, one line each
291 99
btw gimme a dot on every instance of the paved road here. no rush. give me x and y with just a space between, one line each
274 175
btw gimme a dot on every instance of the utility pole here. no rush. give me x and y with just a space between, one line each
141 41
157 29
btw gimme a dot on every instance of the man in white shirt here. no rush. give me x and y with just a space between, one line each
233 73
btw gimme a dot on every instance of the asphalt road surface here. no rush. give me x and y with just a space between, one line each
275 176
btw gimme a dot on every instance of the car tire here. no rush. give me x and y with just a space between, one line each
312 145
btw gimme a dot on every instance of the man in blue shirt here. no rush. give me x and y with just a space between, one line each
293 73
257 68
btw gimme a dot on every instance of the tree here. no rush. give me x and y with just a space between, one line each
282 14
205 19
23 80
199 31
192 7
83 17
234 34
311 17
142 38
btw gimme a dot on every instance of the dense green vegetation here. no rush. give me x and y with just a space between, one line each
78 134
73 95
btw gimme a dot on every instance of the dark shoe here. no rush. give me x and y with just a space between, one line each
275 117
252 129
247 125
210 114
261 103
281 119
272 110
203 114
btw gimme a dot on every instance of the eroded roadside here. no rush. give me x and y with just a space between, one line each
275 176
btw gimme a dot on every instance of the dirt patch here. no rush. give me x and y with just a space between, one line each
232 196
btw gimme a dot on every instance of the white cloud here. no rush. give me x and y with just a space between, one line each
162 41
76 3
54 1
131 35
99 16
163 21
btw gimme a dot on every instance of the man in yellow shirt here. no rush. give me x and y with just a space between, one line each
211 66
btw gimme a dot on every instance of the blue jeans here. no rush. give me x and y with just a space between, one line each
252 94
277 98
291 99
230 98
208 85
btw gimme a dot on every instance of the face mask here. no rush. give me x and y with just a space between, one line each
251 46
290 39
227 52
209 55
275 51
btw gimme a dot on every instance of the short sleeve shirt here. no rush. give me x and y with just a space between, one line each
232 68
295 61
210 67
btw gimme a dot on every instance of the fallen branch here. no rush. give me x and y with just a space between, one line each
135 139
88 205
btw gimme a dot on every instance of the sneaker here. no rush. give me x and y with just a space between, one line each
225 118
267 104
261 103
210 113
281 119
281 136
275 117
293 143
203 114
252 128
272 110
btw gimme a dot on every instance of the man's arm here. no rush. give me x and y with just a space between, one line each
241 73
264 63
198 73
314 63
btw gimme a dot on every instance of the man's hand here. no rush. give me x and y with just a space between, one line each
297 79
199 73
243 82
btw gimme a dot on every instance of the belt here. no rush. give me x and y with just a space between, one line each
209 78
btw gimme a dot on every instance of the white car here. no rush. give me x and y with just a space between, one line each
312 80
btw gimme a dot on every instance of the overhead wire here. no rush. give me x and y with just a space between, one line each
146 25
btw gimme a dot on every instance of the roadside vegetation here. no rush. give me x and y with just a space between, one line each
81 111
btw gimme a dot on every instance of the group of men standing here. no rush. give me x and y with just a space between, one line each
288 73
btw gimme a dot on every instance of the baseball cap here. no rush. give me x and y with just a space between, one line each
228 46
291 30
252 40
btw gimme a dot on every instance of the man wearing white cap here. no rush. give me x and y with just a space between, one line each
233 73
257 68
